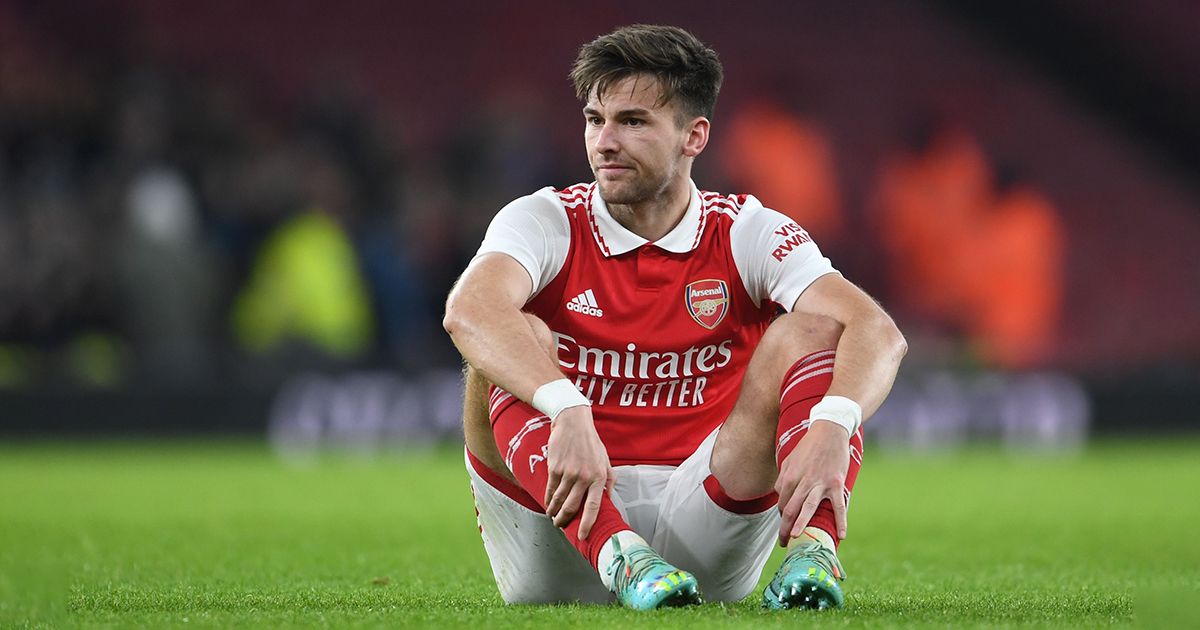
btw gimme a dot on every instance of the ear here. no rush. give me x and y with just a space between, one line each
697 136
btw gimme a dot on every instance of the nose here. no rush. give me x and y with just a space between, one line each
606 138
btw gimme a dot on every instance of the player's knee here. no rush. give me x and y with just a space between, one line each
797 334
542 332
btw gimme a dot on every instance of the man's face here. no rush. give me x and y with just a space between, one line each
634 144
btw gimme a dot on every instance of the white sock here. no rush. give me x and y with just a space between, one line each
810 534
628 539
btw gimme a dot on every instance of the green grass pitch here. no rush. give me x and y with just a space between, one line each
229 535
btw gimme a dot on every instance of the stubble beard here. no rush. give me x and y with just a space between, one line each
630 193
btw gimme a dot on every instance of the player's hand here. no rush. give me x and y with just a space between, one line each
815 470
580 472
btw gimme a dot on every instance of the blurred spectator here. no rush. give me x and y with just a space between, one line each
385 237
305 287
165 274
55 276
402 305
967 257
166 277
787 162
1018 260
928 206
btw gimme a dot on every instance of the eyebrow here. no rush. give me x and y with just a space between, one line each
624 113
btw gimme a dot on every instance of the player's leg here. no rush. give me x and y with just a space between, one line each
624 561
743 458
789 373
724 542
531 560
721 524
809 574
477 426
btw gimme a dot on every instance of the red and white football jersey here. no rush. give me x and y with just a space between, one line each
656 334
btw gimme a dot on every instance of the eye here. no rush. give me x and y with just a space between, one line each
635 122
595 120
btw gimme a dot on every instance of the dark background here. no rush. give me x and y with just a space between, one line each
244 217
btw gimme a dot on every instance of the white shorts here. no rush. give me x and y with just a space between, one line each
668 506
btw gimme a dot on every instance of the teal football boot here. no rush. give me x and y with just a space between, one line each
642 580
808 578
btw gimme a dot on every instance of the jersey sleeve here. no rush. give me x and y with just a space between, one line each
534 230
776 258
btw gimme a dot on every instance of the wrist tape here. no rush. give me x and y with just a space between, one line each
839 410
555 396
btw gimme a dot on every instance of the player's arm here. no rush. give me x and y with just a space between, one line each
868 356
484 319
780 262
871 346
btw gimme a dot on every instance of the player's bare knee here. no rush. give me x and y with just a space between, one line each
794 335
542 332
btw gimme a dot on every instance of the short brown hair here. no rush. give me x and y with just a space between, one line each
685 68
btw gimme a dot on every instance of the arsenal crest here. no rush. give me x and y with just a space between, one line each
707 301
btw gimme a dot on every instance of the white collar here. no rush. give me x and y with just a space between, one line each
614 239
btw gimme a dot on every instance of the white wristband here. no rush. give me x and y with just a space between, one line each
839 410
555 396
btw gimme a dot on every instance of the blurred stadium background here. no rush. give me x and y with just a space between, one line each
239 218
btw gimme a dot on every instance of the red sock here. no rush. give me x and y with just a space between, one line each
804 386
522 434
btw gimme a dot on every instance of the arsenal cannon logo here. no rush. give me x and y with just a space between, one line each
707 301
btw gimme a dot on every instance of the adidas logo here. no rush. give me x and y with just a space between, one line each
585 304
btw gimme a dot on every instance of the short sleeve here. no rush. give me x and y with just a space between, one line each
776 258
533 230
